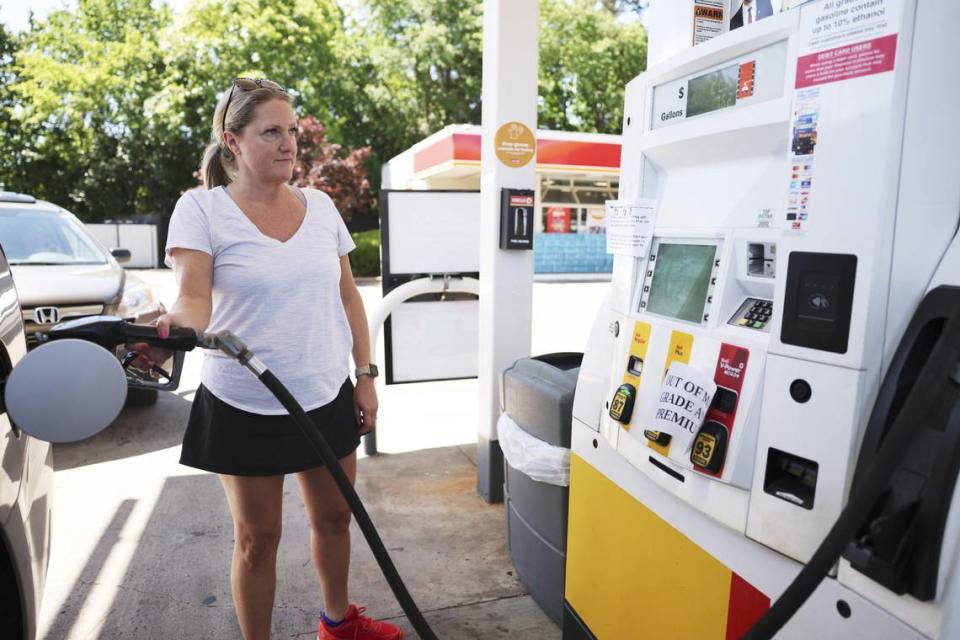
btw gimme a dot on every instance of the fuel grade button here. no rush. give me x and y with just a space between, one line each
710 447
659 437
621 407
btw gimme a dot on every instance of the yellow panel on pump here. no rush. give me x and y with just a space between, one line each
632 575
636 358
681 345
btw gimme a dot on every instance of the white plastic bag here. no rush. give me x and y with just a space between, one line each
532 456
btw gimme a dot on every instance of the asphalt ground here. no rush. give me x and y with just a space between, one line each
142 545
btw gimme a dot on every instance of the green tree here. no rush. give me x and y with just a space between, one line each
111 102
215 41
619 7
409 68
586 60
414 66
106 108
9 137
338 172
82 80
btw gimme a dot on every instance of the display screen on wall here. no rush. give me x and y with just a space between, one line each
681 280
712 91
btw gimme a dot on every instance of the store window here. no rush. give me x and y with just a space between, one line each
574 206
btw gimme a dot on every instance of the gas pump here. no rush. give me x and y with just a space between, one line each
805 258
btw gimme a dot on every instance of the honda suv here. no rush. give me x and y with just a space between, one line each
63 273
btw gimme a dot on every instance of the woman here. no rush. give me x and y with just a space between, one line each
269 262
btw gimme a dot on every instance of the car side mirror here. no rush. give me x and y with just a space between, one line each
121 255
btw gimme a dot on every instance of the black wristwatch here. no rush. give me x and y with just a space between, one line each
369 370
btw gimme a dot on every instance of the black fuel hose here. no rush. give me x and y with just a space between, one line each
862 501
108 332
320 445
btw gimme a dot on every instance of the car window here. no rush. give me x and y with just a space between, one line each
42 237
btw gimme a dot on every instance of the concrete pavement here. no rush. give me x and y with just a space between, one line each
142 545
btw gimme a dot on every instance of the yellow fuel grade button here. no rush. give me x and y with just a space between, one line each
710 447
621 407
659 437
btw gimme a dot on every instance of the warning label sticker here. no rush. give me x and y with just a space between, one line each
847 62
707 20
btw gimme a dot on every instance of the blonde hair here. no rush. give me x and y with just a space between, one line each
219 165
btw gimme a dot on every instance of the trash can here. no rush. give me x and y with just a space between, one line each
534 433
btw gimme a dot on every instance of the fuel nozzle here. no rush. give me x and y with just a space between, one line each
110 331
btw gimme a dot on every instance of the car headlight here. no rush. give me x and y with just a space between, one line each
137 299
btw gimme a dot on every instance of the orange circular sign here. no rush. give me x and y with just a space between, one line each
514 144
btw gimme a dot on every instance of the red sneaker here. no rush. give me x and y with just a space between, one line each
356 626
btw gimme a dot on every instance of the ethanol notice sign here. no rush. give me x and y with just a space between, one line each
630 227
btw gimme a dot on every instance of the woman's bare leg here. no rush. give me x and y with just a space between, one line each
329 516
256 505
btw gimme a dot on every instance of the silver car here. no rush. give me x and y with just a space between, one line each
26 487
63 273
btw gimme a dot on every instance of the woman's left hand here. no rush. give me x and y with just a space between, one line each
365 404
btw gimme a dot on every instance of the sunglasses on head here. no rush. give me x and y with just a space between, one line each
248 84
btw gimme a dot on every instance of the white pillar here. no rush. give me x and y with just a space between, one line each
510 37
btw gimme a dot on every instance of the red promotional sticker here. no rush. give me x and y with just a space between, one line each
847 62
729 374
748 72
731 367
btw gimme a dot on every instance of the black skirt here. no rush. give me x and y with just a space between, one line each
223 439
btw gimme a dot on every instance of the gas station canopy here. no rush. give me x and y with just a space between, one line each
450 158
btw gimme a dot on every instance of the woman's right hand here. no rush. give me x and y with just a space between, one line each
150 355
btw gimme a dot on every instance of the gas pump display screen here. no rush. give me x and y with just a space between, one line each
712 91
681 281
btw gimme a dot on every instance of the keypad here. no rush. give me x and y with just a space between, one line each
754 314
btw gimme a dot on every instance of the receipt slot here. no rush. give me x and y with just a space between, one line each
516 219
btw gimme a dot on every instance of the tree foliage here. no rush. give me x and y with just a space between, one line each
8 51
215 41
586 60
618 7
327 166
410 67
80 136
105 107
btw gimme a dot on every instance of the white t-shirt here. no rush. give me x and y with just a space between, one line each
281 298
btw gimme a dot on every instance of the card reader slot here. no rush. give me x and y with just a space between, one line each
761 259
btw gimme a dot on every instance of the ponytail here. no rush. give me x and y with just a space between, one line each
212 167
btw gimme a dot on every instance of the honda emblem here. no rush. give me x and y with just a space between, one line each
46 315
